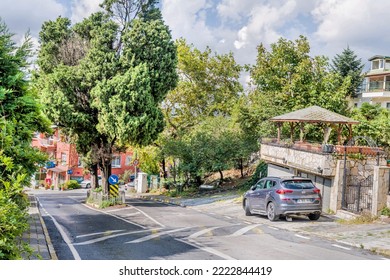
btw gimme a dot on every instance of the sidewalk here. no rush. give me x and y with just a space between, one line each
37 235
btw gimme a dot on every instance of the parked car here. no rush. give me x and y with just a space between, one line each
86 184
278 197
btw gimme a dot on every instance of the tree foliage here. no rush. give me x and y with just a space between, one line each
20 117
374 123
20 114
348 65
109 96
202 134
286 78
208 86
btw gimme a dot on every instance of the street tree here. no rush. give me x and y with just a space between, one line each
208 86
286 78
347 64
20 112
373 123
110 97
20 117
199 110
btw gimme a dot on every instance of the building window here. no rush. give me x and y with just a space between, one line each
63 158
388 105
116 161
80 162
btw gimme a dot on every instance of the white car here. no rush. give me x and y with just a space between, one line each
86 184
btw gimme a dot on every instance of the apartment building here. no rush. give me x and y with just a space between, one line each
376 85
65 163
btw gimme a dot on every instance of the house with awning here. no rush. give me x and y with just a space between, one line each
351 176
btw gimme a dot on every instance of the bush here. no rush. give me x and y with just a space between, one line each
71 185
260 172
13 220
385 211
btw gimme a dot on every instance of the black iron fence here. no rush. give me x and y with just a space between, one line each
357 194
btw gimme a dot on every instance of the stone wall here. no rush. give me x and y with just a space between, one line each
381 188
316 163
332 166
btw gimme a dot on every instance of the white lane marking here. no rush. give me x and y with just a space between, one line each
228 217
113 236
195 244
116 210
115 216
107 232
274 228
201 232
248 223
155 235
130 214
244 230
127 221
342 247
64 236
149 217
301 236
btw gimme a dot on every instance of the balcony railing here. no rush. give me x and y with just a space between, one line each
376 86
326 149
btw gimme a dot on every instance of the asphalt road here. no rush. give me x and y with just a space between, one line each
148 230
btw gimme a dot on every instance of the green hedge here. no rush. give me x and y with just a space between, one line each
13 220
70 185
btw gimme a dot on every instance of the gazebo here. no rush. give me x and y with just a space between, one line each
315 115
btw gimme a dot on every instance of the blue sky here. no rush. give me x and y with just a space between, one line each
239 26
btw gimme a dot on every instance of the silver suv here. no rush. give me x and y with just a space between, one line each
283 196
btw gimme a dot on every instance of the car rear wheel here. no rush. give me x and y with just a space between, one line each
247 209
88 186
314 216
271 212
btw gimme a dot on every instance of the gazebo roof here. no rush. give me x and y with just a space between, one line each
314 114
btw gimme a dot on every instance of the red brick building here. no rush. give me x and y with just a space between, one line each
65 164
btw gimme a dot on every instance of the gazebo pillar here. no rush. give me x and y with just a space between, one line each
339 129
292 131
279 130
301 131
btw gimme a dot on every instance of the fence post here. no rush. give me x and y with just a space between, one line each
343 204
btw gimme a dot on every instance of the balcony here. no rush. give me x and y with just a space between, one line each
376 89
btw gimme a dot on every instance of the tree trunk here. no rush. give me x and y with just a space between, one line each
221 174
94 176
164 168
242 168
105 169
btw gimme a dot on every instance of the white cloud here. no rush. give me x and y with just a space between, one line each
357 23
264 22
233 10
84 8
187 19
29 15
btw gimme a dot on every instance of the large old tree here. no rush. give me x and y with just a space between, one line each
102 80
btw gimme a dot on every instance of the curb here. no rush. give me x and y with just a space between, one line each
49 244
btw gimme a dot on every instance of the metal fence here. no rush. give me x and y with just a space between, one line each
357 194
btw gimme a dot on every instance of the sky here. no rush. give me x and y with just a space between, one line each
237 26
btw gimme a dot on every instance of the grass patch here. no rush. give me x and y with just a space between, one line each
365 218
385 211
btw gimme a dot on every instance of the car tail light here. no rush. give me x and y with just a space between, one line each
283 191
317 191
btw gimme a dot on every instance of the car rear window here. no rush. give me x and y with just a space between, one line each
298 184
